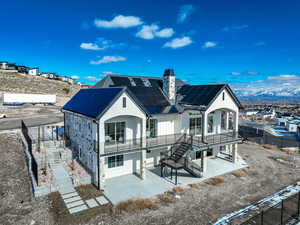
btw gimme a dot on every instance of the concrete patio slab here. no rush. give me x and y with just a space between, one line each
130 186
74 204
78 209
126 187
73 199
66 190
215 167
70 195
102 200
91 203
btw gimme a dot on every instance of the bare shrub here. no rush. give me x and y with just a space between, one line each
134 205
239 173
166 198
270 147
194 185
215 180
177 189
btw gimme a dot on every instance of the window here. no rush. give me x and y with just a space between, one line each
115 132
195 125
210 124
124 102
152 128
115 161
223 96
79 153
230 121
223 120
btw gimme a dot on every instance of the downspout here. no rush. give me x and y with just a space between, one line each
98 155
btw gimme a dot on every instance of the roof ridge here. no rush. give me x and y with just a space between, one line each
134 76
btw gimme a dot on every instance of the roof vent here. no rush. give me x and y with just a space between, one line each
169 72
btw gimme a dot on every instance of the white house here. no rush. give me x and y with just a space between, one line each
33 71
127 124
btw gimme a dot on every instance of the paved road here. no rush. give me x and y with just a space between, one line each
31 121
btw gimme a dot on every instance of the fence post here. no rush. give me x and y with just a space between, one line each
262 217
281 215
299 204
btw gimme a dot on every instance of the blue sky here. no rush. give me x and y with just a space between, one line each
233 41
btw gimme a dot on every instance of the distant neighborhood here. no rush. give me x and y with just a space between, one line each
12 67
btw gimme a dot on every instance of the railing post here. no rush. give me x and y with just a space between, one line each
281 213
299 204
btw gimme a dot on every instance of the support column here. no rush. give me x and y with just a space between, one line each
143 152
203 162
234 153
204 126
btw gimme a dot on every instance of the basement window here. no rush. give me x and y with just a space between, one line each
115 161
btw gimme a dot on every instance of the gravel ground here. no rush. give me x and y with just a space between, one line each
268 172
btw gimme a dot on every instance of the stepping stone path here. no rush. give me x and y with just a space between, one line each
72 200
102 200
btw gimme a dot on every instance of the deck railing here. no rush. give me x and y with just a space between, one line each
165 140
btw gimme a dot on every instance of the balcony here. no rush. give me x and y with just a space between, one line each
135 145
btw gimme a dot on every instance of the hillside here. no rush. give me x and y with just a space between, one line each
20 83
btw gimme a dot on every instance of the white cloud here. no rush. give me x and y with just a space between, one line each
101 44
119 21
235 73
107 72
147 31
75 77
91 78
284 77
152 31
92 46
108 59
165 33
178 42
184 12
209 44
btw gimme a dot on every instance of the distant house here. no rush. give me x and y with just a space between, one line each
33 71
22 69
7 66
3 65
250 112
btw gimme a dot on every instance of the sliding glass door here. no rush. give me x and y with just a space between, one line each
115 132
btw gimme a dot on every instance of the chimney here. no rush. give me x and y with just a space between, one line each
169 85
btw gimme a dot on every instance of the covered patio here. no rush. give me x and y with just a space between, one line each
127 187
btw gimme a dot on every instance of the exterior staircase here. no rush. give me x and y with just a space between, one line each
180 150
178 154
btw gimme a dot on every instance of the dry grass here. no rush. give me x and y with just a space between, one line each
194 185
288 151
215 180
134 205
270 147
239 173
166 198
88 191
177 189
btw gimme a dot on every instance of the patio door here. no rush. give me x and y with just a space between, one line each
115 132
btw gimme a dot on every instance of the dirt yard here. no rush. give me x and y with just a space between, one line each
269 171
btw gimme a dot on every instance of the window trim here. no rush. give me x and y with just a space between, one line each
196 127
115 161
149 129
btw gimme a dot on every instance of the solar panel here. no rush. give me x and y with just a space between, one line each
92 102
